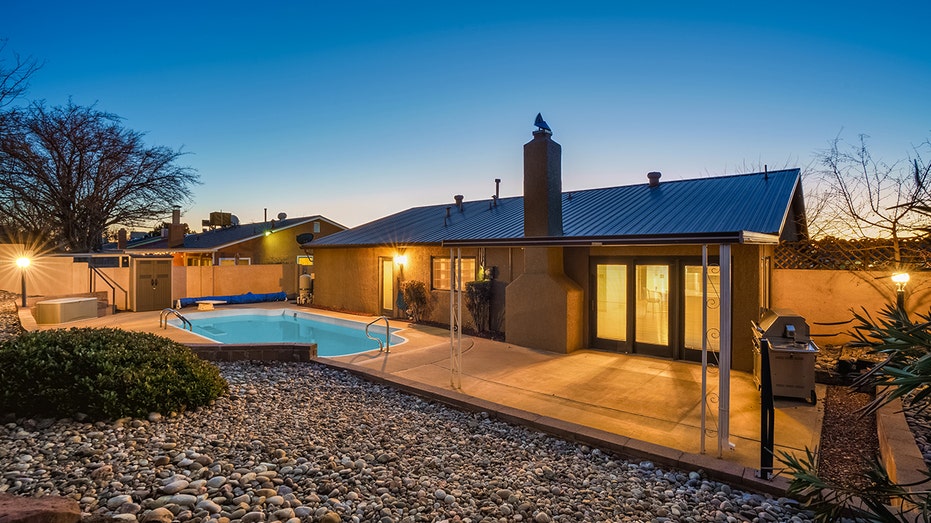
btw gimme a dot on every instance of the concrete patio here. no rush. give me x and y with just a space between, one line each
637 405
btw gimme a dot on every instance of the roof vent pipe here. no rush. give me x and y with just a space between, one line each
458 198
653 176
497 189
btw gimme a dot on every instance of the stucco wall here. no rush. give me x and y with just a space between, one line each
348 278
45 276
190 282
278 247
829 296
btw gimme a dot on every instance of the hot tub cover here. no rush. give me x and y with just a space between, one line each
239 298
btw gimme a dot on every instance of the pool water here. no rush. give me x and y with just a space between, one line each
333 336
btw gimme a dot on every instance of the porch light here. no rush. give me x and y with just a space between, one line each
900 279
400 259
23 263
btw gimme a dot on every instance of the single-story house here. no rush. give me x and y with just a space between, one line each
614 268
275 241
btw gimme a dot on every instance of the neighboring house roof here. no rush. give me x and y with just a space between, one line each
746 208
220 238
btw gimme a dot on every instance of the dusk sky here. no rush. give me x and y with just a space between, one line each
356 110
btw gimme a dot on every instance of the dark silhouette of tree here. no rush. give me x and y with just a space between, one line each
14 76
872 199
70 172
157 229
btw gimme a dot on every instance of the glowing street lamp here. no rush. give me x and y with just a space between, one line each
900 279
23 262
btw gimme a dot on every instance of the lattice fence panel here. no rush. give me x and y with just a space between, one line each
852 255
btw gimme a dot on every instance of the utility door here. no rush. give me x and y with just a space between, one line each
152 285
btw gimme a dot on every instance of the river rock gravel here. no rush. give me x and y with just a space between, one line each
304 442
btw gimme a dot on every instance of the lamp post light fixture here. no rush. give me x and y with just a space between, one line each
900 279
23 262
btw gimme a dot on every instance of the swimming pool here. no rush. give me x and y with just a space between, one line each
333 336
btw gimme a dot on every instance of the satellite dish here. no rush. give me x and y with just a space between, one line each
282 216
306 237
234 220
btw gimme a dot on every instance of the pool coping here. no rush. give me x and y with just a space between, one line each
285 351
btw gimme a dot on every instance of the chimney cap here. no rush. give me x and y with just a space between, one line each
653 177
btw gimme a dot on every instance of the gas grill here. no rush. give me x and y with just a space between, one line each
792 354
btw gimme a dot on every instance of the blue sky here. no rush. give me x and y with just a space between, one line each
356 110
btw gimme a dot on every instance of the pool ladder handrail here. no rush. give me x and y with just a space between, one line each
386 347
163 319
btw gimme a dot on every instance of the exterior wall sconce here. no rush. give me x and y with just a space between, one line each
400 259
23 263
900 279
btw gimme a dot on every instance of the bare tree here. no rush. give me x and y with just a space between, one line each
14 75
71 172
873 199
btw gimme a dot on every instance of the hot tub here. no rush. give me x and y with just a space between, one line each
63 310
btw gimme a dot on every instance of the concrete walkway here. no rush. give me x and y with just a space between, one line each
635 405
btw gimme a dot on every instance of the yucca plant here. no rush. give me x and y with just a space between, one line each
904 373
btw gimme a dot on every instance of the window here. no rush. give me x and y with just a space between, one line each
441 272
316 227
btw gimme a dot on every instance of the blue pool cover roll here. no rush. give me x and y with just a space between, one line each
239 298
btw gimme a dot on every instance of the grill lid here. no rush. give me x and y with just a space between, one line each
785 324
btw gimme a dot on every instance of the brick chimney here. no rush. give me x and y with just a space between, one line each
176 229
544 307
542 185
121 238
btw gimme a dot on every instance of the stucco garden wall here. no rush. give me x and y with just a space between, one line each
828 296
222 280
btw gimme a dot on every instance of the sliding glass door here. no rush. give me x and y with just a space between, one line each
631 308
692 328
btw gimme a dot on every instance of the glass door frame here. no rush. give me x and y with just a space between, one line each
625 345
691 261
670 350
630 345
383 263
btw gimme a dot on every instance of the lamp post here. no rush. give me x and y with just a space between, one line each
23 262
900 279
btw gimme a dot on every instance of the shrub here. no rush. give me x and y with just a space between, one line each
103 373
478 301
416 297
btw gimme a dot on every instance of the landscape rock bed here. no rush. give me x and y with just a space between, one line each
302 442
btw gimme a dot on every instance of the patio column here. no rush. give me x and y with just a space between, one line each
724 376
455 318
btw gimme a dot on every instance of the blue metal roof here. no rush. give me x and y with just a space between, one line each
757 203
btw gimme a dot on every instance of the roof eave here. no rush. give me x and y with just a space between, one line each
367 245
602 241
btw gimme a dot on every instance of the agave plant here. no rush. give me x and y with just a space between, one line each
904 373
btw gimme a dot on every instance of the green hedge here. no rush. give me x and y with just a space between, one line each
102 373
